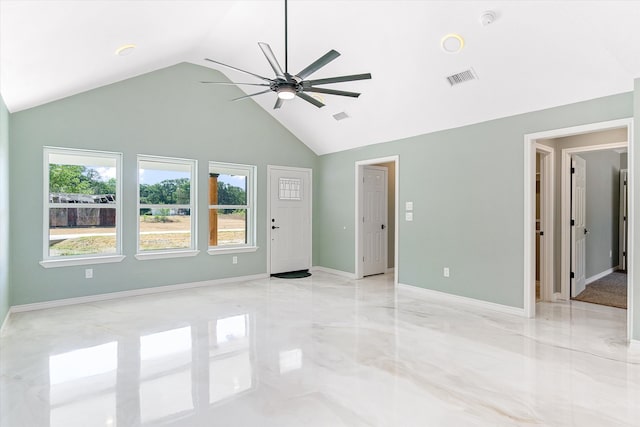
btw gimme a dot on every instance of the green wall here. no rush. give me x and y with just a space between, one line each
467 188
167 113
4 211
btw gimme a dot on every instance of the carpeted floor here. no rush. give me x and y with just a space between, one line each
610 290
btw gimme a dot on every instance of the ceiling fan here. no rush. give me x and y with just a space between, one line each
288 86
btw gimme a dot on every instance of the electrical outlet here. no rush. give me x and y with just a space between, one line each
235 260
445 272
408 216
88 273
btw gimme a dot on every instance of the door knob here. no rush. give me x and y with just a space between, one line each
273 227
382 226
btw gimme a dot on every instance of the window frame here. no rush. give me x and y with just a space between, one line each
170 252
250 171
49 261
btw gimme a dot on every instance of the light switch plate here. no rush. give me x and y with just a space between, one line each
408 216
408 206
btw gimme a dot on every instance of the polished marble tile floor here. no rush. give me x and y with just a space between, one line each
319 351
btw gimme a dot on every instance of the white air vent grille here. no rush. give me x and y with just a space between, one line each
341 116
464 76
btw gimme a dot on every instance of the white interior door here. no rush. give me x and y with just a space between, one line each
623 220
375 226
579 224
289 219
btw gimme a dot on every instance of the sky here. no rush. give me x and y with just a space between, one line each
151 176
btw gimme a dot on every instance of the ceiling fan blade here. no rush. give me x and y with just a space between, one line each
266 49
253 94
279 103
353 77
235 84
238 69
310 99
332 91
319 63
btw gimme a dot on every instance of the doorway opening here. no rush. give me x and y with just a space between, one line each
561 281
379 237
592 232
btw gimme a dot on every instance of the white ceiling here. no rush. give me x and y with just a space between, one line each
537 54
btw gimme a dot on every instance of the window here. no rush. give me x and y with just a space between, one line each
82 207
166 207
232 218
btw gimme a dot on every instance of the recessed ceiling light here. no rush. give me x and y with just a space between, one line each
317 97
125 50
452 43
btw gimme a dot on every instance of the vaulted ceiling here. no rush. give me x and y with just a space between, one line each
534 55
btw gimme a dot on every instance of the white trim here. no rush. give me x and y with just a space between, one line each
268 215
456 300
529 140
634 345
556 297
251 218
602 274
70 262
5 322
340 273
358 210
193 206
47 151
231 250
131 293
145 256
565 210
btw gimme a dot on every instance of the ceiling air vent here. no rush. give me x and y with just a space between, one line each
464 76
341 116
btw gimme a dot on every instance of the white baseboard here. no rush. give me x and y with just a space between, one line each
456 299
131 293
334 272
557 296
5 321
601 275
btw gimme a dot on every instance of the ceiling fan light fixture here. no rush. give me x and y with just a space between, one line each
286 93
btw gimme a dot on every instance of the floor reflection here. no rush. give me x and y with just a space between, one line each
162 374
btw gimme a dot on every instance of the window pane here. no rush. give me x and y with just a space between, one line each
227 227
167 228
164 183
232 189
82 231
80 175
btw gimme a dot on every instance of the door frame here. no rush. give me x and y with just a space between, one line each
270 168
547 206
359 235
529 206
565 214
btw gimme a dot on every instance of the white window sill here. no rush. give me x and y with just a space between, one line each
232 250
69 262
163 255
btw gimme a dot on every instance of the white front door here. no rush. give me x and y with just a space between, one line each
289 219
578 224
374 220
